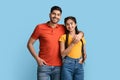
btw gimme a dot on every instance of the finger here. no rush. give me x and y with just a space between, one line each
40 64
76 40
80 61
85 56
44 62
73 38
76 37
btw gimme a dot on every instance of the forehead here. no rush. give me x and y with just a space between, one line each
70 21
56 11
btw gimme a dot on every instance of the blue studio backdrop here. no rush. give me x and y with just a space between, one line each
98 19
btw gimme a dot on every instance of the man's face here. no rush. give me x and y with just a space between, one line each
55 16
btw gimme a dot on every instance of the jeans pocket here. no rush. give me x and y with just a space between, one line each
43 68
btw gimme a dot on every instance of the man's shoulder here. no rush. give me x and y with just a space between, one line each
41 24
61 26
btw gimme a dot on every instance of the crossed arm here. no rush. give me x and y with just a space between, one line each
76 39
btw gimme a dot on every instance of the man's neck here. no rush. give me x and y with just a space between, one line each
52 24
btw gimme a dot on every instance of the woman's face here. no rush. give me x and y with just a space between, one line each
70 25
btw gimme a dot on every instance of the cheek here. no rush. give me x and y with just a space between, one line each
58 17
52 16
66 27
73 26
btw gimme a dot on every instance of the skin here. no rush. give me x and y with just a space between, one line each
55 16
70 26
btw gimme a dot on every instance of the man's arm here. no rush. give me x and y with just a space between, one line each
33 53
78 37
81 34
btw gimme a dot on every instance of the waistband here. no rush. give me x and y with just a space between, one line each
73 59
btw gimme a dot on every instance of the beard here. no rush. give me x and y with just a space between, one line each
54 20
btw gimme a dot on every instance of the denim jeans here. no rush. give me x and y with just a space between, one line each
45 72
72 70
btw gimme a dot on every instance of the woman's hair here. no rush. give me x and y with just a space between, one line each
76 31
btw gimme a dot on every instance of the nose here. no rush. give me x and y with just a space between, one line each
55 15
70 25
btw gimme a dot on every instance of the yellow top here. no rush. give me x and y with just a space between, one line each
76 50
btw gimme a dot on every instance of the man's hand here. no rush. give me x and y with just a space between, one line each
77 38
41 62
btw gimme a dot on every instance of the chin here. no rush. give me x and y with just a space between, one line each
71 30
55 22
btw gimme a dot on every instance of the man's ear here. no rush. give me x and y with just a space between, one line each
49 14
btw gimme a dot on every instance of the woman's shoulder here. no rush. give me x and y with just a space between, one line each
64 35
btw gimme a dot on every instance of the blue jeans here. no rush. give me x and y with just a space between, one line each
72 70
45 72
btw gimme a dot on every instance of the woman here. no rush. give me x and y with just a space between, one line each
72 52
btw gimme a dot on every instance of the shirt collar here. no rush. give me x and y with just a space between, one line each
50 26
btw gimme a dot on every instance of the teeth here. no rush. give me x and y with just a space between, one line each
54 19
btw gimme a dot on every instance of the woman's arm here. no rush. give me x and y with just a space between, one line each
85 55
64 51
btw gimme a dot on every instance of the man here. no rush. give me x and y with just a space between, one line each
49 59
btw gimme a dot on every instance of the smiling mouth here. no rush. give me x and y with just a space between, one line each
55 19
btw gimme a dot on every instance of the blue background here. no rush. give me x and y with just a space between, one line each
98 19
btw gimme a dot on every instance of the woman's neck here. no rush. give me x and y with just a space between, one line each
72 33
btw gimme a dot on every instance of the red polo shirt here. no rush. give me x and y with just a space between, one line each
49 42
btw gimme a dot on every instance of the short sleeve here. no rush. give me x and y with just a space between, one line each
62 38
84 41
35 33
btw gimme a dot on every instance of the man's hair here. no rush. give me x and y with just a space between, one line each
56 8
